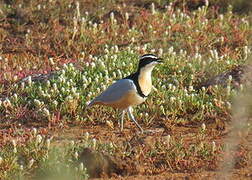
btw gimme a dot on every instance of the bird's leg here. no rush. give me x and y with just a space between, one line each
129 110
121 122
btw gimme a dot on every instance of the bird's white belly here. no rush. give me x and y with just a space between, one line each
131 98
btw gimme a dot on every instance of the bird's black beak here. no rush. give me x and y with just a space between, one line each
160 60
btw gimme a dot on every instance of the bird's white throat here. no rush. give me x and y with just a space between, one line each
144 78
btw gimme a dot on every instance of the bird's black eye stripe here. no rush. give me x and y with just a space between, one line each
148 56
146 61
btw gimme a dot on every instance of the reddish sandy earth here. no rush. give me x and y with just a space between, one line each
105 134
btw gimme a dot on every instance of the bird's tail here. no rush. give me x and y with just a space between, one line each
90 103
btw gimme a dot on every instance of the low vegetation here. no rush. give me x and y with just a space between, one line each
55 56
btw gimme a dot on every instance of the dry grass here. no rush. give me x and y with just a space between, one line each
89 44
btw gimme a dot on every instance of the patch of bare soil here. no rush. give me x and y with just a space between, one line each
139 170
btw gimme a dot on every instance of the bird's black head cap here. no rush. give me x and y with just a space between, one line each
147 59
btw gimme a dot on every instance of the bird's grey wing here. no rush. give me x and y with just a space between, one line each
116 90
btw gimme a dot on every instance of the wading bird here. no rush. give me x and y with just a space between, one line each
131 90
